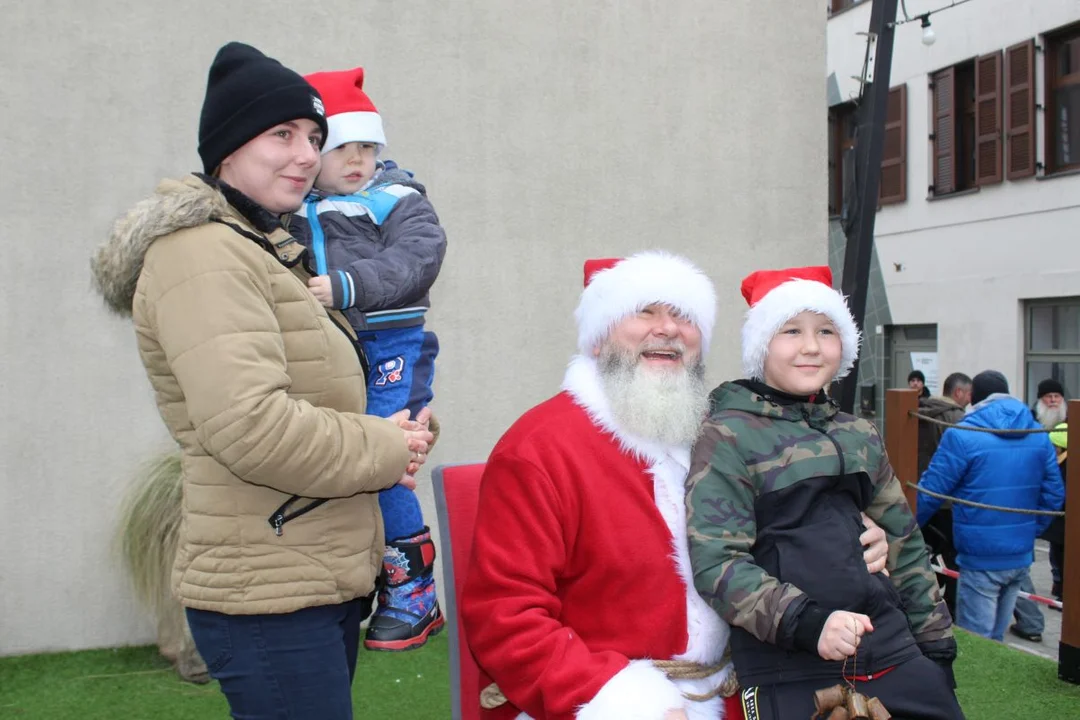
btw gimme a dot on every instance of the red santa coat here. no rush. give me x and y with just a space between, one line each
580 571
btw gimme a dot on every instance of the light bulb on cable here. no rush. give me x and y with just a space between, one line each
928 34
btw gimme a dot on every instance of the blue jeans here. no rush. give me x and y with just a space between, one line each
293 666
402 371
985 600
1029 618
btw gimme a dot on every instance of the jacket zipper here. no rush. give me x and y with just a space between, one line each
839 451
868 656
282 514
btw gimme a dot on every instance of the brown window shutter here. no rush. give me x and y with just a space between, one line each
988 119
893 187
944 101
1020 110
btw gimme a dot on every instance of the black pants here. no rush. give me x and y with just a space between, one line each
1057 564
915 690
938 535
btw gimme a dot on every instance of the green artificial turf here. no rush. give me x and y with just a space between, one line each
136 683
995 683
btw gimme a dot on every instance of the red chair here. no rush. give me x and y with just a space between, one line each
457 493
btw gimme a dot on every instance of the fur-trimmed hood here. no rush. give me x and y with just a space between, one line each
175 205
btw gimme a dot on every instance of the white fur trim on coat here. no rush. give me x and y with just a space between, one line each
784 302
637 692
707 634
640 280
353 127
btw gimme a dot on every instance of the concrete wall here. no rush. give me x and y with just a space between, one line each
546 132
968 262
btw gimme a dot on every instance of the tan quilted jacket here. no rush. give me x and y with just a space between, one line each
264 393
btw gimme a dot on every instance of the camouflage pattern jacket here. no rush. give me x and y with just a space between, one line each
774 495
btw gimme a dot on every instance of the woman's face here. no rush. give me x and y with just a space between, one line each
277 167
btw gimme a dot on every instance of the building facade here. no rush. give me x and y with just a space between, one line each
977 260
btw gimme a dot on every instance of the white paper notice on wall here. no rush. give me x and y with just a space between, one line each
927 362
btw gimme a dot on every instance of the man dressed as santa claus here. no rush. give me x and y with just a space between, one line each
580 601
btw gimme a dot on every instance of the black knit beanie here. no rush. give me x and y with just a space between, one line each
986 384
246 94
1048 386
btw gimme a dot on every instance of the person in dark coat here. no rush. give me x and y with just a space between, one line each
917 381
938 530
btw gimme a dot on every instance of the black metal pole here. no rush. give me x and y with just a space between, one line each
870 142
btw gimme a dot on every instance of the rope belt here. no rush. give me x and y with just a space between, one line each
492 697
686 670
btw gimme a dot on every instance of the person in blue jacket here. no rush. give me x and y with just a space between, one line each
995 549
376 248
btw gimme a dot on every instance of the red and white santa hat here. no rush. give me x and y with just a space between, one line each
617 287
350 114
776 296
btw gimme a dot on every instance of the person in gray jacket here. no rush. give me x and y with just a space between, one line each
376 246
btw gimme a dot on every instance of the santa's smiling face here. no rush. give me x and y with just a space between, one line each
653 375
662 338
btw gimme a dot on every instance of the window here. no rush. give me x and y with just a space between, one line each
843 136
1053 345
893 187
838 5
1063 99
1020 110
966 125
842 125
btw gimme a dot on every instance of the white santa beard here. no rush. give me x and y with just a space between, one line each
664 405
1050 417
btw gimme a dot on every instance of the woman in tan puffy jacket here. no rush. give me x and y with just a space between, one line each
281 539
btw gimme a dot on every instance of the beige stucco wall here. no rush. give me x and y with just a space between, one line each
546 132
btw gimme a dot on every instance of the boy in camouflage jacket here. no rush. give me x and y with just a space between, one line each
776 493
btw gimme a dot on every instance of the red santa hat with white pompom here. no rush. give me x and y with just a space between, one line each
350 114
617 287
776 296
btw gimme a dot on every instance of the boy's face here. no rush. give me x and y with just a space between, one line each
804 355
347 168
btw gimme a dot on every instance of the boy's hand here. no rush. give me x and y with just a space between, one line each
408 481
322 290
841 635
424 416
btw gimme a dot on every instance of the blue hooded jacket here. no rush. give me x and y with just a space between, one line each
1016 471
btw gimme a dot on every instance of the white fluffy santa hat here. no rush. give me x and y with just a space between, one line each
617 287
350 114
776 296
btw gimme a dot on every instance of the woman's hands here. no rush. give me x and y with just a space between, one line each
418 437
876 546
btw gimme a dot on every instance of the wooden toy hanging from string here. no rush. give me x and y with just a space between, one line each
843 702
